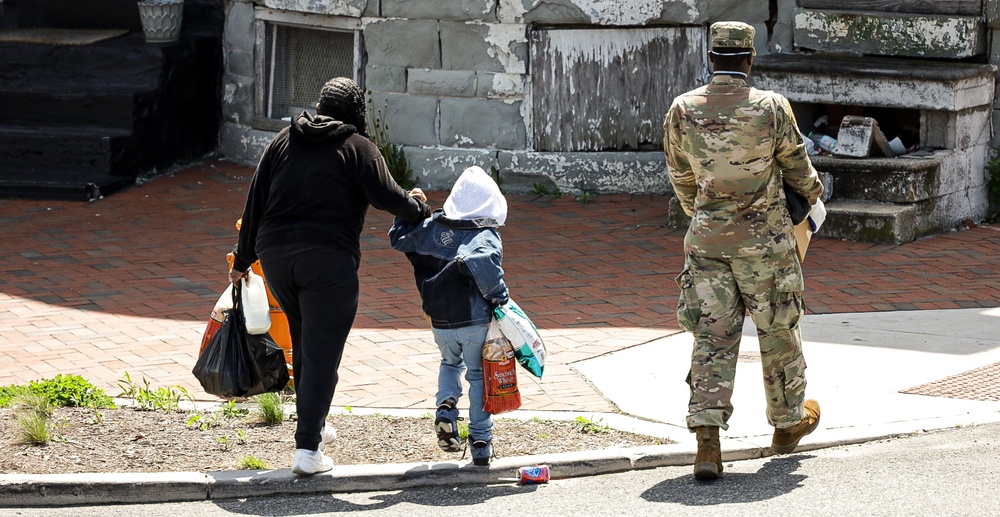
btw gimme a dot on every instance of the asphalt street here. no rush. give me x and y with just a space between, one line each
947 472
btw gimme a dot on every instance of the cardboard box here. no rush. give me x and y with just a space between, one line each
803 234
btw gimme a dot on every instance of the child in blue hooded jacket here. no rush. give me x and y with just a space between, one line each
456 255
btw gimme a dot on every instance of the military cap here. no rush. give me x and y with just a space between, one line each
732 34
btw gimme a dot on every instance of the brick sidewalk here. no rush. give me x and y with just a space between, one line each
125 284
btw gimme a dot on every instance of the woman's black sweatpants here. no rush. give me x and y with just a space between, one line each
317 289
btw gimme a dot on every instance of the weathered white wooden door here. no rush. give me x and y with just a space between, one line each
608 89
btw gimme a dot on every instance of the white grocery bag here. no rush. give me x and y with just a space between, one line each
224 304
523 336
256 310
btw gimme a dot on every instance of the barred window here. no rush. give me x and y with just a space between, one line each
297 60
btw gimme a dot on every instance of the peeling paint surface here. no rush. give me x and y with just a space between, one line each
621 12
602 90
607 12
603 12
228 92
605 89
905 35
593 172
503 40
332 7
579 46
507 85
876 91
509 11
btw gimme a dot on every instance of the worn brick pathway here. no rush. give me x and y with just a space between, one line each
126 283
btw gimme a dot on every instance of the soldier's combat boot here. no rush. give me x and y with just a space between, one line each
708 461
785 440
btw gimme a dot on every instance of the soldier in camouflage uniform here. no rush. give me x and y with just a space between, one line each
729 147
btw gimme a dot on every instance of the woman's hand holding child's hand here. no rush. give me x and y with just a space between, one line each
418 195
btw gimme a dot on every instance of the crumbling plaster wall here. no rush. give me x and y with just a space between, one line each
457 81
991 9
455 77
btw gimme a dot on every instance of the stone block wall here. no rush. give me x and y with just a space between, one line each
454 80
991 11
455 76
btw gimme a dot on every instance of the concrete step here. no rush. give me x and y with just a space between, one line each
117 108
98 84
869 221
887 33
888 180
85 149
103 108
92 14
847 219
61 185
119 64
887 82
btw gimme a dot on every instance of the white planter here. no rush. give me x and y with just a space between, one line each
161 19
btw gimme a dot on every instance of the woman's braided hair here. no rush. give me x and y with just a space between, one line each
342 99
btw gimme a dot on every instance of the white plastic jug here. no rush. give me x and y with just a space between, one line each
256 310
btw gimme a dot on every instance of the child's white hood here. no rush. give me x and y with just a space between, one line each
475 196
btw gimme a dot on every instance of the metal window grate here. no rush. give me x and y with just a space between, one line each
298 62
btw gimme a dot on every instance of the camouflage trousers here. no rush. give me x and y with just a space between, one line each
716 294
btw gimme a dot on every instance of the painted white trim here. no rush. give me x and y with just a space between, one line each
308 20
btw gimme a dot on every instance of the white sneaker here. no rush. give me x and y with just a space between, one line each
310 462
327 435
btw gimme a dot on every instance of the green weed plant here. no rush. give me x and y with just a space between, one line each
395 158
231 410
588 426
270 408
60 391
148 399
203 422
253 463
32 414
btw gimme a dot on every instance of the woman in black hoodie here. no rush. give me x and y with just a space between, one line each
303 220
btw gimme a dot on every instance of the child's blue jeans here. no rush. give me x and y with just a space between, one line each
462 349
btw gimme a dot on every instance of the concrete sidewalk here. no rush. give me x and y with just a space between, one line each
861 365
867 371
126 284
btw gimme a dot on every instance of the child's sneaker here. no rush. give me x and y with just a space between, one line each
446 426
326 436
482 451
310 462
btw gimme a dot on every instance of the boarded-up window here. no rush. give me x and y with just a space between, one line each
608 89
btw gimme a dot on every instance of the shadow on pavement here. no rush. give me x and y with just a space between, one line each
323 504
776 478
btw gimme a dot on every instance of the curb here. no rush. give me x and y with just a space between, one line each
139 488
136 488
41 490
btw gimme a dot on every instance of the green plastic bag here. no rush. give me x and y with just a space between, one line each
523 336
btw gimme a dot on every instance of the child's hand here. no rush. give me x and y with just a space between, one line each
418 195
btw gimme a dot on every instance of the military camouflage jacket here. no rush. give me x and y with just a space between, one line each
727 147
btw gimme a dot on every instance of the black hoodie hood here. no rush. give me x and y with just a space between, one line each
320 128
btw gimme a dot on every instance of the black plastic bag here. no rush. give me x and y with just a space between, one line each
797 204
238 364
